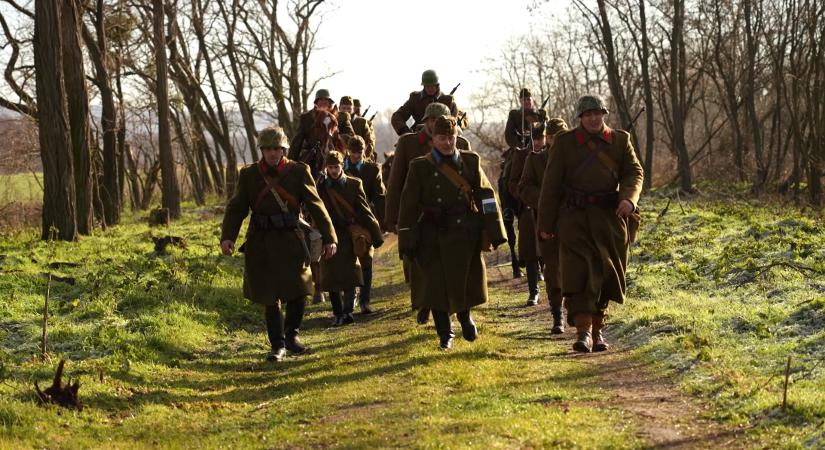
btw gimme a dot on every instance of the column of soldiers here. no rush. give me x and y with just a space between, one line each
318 205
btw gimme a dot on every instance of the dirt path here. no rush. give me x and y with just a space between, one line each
667 418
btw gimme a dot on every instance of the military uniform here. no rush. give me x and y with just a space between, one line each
310 145
370 175
587 176
342 273
409 147
416 105
362 127
275 261
440 229
529 189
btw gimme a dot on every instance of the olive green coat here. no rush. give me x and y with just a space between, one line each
409 147
362 127
343 271
527 245
593 241
370 175
345 123
448 271
513 127
415 106
274 265
529 190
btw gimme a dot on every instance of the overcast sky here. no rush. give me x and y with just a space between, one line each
380 47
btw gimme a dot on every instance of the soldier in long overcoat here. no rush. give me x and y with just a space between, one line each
529 189
276 260
448 215
588 202
346 202
416 104
370 175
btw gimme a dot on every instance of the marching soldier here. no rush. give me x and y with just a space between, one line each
353 220
448 215
276 257
370 175
588 204
416 105
356 108
529 189
305 138
363 127
517 136
345 117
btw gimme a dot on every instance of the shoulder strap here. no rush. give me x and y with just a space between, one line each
456 179
273 186
339 203
597 151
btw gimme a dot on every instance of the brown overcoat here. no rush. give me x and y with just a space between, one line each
448 271
529 190
527 245
343 271
415 106
512 128
409 147
274 261
593 241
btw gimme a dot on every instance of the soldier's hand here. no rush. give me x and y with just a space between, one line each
545 236
625 208
227 247
329 250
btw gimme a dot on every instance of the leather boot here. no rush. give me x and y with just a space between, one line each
558 323
468 328
292 322
533 283
584 340
423 316
275 332
444 328
599 343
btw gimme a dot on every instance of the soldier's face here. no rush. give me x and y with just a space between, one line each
430 89
334 172
272 155
593 120
527 102
444 143
538 142
354 157
346 108
323 105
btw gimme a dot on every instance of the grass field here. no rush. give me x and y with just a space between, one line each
21 187
169 355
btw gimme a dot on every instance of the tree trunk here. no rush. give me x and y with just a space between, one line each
648 92
170 192
74 77
55 142
678 96
752 46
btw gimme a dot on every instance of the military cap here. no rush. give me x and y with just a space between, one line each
435 110
334 158
356 144
345 100
272 137
445 125
323 94
589 103
356 103
537 129
556 125
524 93
429 77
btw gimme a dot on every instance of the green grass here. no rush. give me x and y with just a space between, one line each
180 351
21 187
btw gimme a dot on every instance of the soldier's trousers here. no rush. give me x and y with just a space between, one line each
511 239
533 277
278 327
366 289
342 305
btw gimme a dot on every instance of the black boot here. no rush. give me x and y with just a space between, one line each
423 316
444 328
366 289
349 305
468 328
558 323
533 283
275 331
292 322
337 304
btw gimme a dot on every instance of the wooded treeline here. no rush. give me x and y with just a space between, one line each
179 84
732 89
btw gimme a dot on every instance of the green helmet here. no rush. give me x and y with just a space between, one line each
435 110
272 137
323 94
356 103
589 103
555 125
429 77
345 100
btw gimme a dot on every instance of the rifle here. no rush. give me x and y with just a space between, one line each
373 117
366 111
454 89
633 122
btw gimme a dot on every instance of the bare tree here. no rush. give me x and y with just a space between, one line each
170 193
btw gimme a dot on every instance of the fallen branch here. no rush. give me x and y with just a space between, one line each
57 393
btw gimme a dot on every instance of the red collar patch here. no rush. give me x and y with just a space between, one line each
580 137
422 137
607 135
